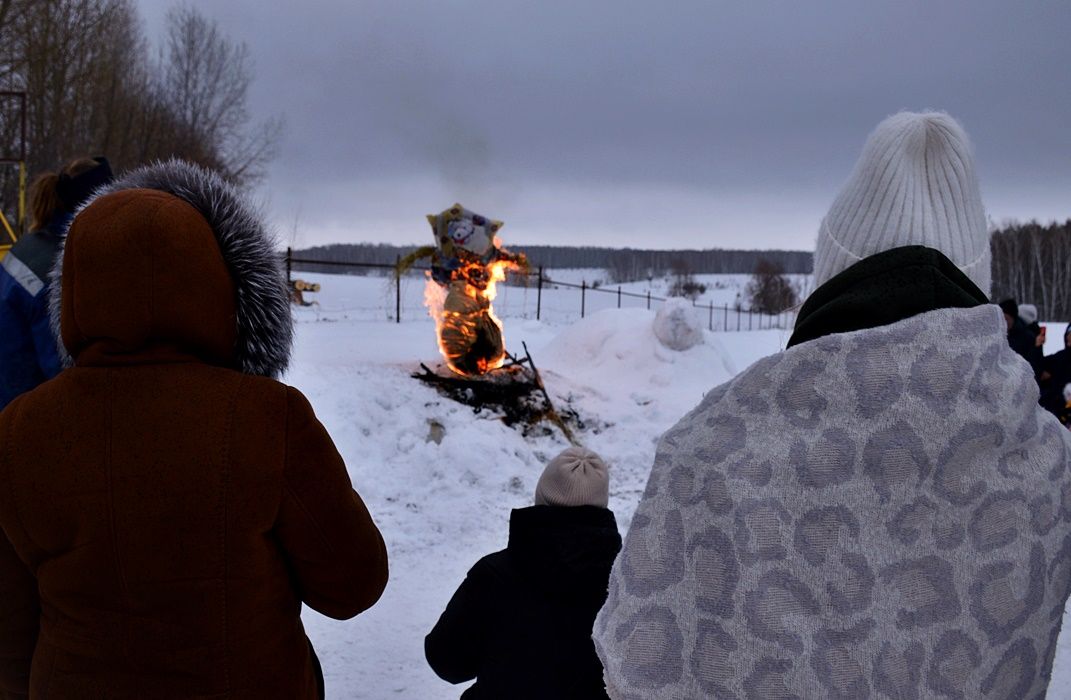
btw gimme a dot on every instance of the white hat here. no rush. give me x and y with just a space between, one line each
1029 313
576 477
913 185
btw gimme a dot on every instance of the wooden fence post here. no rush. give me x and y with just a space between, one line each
397 290
539 293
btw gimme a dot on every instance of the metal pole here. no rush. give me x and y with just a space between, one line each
22 166
539 293
725 319
21 222
738 318
289 255
648 299
711 323
583 295
397 290
22 126
619 297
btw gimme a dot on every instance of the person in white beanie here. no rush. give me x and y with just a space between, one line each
520 623
1029 314
875 511
1024 338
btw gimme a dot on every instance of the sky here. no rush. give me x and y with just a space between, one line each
680 124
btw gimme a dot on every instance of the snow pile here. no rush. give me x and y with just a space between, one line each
677 325
442 506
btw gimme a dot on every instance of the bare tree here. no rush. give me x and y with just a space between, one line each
92 88
684 284
205 81
768 290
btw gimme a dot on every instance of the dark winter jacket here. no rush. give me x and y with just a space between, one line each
1024 342
165 505
28 353
521 621
1058 368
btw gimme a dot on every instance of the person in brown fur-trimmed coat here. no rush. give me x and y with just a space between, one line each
166 505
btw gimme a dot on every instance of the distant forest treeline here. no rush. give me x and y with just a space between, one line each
623 264
1032 264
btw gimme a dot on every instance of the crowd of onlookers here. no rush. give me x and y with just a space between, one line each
1053 372
875 511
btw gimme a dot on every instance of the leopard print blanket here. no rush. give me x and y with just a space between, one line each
877 514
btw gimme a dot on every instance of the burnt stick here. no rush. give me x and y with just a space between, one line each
552 413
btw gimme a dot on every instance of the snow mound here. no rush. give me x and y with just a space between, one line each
616 356
677 325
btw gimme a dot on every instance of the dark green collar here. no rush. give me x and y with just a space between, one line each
883 289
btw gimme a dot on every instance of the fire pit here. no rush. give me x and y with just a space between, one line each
514 392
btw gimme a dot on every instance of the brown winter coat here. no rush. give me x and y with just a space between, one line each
164 511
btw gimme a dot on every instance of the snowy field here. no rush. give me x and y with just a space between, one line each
443 506
372 298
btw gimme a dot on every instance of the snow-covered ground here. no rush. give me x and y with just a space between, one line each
443 506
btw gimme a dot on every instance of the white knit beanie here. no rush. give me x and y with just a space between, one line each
576 477
913 185
1029 313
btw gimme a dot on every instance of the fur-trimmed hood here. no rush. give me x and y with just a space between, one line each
164 282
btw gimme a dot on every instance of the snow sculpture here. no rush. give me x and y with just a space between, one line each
677 325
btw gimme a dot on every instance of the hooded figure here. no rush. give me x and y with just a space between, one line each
166 505
28 354
881 510
1022 336
520 623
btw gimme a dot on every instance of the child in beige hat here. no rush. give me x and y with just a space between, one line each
521 621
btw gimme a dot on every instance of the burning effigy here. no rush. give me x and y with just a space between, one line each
467 262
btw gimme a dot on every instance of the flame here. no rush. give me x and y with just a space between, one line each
468 331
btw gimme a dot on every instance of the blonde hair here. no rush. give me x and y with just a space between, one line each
44 200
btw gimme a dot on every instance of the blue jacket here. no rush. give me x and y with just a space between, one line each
28 354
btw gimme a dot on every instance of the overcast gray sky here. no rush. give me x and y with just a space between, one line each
681 123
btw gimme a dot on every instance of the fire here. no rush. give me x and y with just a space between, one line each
467 263
468 331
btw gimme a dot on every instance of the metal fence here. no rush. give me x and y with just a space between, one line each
586 298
